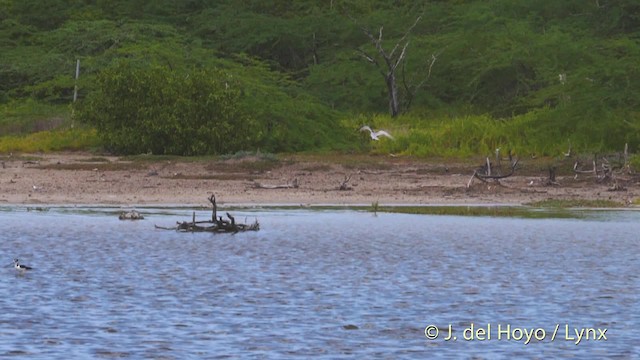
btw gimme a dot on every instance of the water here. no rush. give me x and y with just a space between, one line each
316 284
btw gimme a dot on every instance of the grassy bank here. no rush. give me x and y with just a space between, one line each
536 133
29 126
52 140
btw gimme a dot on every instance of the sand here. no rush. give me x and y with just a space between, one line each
87 179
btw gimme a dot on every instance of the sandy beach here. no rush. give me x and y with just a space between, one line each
304 180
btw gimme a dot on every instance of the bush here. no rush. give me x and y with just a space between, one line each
155 109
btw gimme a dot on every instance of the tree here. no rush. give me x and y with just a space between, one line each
391 60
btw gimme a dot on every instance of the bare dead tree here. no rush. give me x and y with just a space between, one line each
391 60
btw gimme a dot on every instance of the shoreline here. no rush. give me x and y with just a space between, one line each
82 180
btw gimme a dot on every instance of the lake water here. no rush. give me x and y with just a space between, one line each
318 284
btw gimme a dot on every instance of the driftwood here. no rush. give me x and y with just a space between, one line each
608 168
344 185
488 172
130 215
292 185
216 225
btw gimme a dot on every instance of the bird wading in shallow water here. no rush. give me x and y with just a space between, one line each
20 267
375 135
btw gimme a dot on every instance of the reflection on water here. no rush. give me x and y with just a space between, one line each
315 284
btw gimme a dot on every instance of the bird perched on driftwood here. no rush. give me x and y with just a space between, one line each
375 135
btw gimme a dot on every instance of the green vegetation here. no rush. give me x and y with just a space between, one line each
54 140
160 111
493 211
198 77
577 203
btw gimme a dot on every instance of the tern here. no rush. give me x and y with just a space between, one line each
375 135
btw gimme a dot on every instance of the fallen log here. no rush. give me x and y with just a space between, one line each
215 225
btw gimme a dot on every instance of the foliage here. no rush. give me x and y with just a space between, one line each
164 112
537 133
532 76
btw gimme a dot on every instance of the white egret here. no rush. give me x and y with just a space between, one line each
375 135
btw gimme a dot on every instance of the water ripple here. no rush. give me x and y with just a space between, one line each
313 285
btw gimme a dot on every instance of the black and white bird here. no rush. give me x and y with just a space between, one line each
375 135
20 267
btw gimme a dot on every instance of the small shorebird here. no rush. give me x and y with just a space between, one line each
375 135
20 267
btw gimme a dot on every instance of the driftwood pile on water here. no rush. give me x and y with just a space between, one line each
216 225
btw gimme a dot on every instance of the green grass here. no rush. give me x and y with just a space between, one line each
29 116
492 211
539 133
562 203
47 141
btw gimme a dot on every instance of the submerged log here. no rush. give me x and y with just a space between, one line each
215 225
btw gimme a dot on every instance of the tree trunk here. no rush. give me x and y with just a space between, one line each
394 107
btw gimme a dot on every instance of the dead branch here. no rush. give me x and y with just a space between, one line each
608 168
410 93
552 177
578 169
214 212
471 179
569 152
616 187
484 173
292 185
344 184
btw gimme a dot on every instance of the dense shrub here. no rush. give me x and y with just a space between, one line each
157 110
